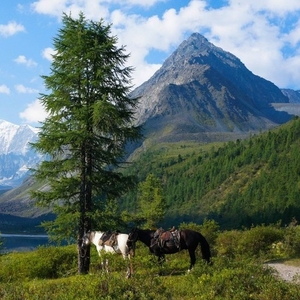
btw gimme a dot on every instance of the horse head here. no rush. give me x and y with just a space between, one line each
86 239
132 238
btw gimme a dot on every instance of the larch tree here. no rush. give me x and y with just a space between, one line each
151 203
90 121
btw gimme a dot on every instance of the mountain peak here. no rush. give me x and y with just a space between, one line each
197 42
16 156
7 132
198 50
202 88
15 138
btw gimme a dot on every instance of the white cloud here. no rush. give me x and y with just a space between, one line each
293 37
53 7
48 53
92 8
253 31
56 8
21 59
142 3
4 89
25 90
11 28
34 113
278 7
142 35
257 32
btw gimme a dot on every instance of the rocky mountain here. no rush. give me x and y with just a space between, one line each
204 93
293 96
16 156
293 107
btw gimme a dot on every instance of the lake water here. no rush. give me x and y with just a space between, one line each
23 242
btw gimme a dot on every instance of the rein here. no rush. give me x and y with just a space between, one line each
83 248
132 240
154 242
83 251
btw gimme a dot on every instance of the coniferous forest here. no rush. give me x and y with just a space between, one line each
240 183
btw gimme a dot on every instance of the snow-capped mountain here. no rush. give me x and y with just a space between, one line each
16 155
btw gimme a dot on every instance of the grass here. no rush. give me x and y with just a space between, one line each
237 273
50 273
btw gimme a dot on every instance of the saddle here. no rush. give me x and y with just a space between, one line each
171 236
109 238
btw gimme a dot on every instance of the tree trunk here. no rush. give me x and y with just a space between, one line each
83 259
84 219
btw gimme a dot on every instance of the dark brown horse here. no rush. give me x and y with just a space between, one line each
162 242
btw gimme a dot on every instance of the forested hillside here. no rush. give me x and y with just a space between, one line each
239 183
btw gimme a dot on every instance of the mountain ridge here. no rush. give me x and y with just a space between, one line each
16 156
203 88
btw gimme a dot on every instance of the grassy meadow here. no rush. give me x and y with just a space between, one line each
238 271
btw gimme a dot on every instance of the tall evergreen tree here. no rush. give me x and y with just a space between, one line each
152 205
90 120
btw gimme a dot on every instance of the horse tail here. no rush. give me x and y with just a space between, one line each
205 248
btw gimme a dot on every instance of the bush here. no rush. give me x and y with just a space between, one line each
257 242
243 279
48 273
292 240
45 262
227 243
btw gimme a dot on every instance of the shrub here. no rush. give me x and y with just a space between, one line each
22 276
258 241
54 262
45 262
292 240
227 242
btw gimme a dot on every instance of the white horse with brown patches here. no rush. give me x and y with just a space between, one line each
120 247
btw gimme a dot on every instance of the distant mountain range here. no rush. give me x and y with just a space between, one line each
294 96
201 93
16 156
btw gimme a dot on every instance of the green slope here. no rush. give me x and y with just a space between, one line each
239 183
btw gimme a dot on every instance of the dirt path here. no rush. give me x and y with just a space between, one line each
286 272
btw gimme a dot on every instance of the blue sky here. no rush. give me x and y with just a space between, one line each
264 35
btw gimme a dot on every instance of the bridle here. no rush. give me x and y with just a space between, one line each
85 242
132 238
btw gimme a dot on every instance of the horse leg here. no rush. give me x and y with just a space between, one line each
129 268
129 271
104 265
127 257
161 260
192 259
